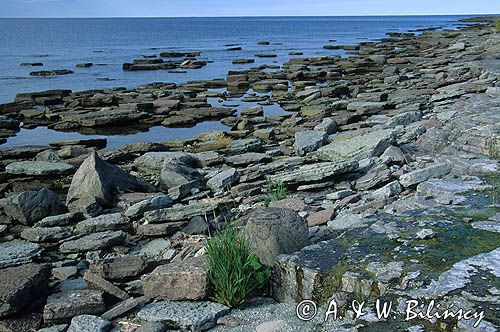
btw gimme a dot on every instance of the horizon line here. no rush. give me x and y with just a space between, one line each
248 16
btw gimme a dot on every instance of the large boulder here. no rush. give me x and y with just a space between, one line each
21 285
274 231
96 184
186 280
31 206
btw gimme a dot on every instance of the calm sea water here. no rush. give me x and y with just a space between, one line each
108 43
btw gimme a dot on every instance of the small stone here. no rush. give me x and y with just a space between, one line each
89 323
223 180
104 285
328 125
426 233
272 326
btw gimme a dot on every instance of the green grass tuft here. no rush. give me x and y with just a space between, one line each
233 269
276 191
497 25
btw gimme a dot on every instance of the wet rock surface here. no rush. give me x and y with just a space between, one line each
378 178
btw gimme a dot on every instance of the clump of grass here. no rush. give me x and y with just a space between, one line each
497 25
276 191
233 269
494 192
218 144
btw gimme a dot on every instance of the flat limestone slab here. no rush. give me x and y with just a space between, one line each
38 168
191 316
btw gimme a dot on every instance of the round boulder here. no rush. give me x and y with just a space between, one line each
275 231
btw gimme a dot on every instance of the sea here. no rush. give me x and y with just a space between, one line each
110 42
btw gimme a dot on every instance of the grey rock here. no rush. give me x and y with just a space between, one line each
18 252
8 123
386 272
38 168
274 231
358 147
191 316
174 174
156 249
387 191
424 174
223 180
59 220
48 156
61 307
152 327
186 280
247 158
93 242
347 220
393 154
314 172
45 234
106 222
96 183
180 213
89 323
154 161
304 274
21 285
31 206
55 328
245 145
123 307
120 267
490 226
155 203
327 125
309 141
425 233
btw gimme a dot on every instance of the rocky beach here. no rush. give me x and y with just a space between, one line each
369 177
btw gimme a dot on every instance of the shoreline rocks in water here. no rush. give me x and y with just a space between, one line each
51 72
379 180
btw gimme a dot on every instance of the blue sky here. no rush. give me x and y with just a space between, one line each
166 8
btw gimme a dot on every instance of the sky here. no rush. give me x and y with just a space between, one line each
209 8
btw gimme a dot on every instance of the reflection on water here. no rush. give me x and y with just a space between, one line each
116 138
